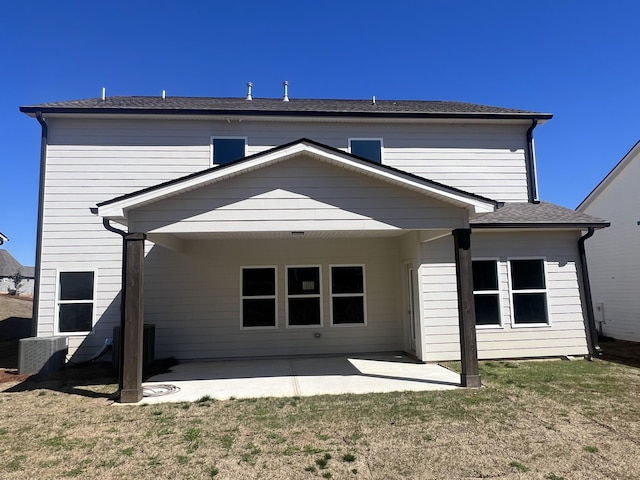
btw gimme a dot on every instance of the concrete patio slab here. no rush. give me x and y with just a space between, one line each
221 380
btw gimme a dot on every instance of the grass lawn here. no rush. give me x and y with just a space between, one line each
544 420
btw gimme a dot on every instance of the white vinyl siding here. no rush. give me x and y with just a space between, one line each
565 336
613 253
299 194
193 298
91 160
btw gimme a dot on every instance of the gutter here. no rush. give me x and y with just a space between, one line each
532 181
591 322
36 283
123 234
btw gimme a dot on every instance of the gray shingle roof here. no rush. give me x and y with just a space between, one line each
274 106
9 266
543 214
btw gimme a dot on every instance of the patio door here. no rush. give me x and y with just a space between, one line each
410 307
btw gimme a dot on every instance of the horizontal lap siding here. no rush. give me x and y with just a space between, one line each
91 161
612 254
297 194
193 298
565 335
94 160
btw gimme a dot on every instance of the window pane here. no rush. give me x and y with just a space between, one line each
259 312
75 317
530 308
527 274
369 149
487 309
304 280
304 311
485 275
348 310
76 286
258 281
226 150
347 280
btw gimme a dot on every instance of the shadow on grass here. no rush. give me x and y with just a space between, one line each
621 351
78 379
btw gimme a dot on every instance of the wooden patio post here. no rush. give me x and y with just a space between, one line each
133 289
470 376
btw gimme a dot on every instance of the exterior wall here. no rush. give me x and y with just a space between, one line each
564 336
612 254
128 154
193 298
300 194
90 160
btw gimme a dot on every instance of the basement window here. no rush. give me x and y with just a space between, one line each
76 299
303 297
258 303
369 148
528 292
348 305
486 293
227 149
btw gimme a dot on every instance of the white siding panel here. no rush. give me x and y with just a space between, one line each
564 336
297 194
612 253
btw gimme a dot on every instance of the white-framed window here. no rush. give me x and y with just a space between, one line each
227 149
348 300
304 296
486 292
369 148
528 285
258 305
75 302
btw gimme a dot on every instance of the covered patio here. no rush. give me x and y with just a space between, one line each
296 377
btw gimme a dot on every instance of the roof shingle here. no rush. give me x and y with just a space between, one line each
273 106
543 214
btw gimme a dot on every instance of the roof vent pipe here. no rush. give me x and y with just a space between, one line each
286 91
249 87
373 101
104 93
164 94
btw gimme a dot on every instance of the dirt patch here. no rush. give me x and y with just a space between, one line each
12 376
15 306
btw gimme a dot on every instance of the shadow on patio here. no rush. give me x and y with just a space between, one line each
299 376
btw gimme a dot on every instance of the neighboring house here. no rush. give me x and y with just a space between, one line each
9 266
267 227
614 263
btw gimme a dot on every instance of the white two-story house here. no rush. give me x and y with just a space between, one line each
263 227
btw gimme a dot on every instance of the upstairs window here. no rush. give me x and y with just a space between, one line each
76 302
347 295
258 307
486 293
369 148
227 149
529 292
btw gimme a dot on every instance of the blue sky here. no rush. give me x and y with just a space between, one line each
575 59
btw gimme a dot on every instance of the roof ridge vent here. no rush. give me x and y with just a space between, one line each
249 87
285 84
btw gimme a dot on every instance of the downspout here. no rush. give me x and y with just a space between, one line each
591 322
532 182
36 282
123 234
